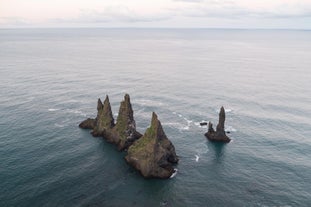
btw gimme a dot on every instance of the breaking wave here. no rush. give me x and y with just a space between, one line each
175 173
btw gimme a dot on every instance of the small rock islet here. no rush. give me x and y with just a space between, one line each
152 154
219 135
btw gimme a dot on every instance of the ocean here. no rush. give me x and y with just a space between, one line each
50 80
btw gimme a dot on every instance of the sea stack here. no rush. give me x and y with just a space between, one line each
219 135
124 132
153 155
104 118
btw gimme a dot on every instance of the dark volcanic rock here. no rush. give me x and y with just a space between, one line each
124 132
88 124
104 119
153 154
221 123
219 135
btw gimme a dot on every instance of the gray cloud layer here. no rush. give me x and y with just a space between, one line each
120 13
190 10
201 8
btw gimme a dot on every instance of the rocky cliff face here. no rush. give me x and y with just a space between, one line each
153 154
104 118
88 124
221 122
219 135
124 133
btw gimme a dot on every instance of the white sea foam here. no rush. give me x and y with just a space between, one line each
187 120
200 149
173 124
76 112
163 203
181 126
175 173
226 110
148 102
187 127
197 158
53 109
58 125
230 129
176 125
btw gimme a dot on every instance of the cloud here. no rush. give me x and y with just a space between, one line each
190 1
15 21
115 14
235 9
211 11
206 1
161 12
288 11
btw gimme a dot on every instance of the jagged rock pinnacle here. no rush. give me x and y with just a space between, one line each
104 119
153 154
124 133
221 121
107 112
125 115
219 135
99 105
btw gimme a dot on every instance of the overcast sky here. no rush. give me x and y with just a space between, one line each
294 14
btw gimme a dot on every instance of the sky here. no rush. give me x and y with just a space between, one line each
267 14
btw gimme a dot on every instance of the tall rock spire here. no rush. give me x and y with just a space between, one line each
124 133
104 118
125 120
104 112
221 121
219 135
99 105
103 121
153 154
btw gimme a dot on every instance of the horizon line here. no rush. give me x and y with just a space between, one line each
172 28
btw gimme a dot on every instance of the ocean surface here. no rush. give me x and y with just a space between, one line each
50 80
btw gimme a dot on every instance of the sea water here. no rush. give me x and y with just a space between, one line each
50 80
